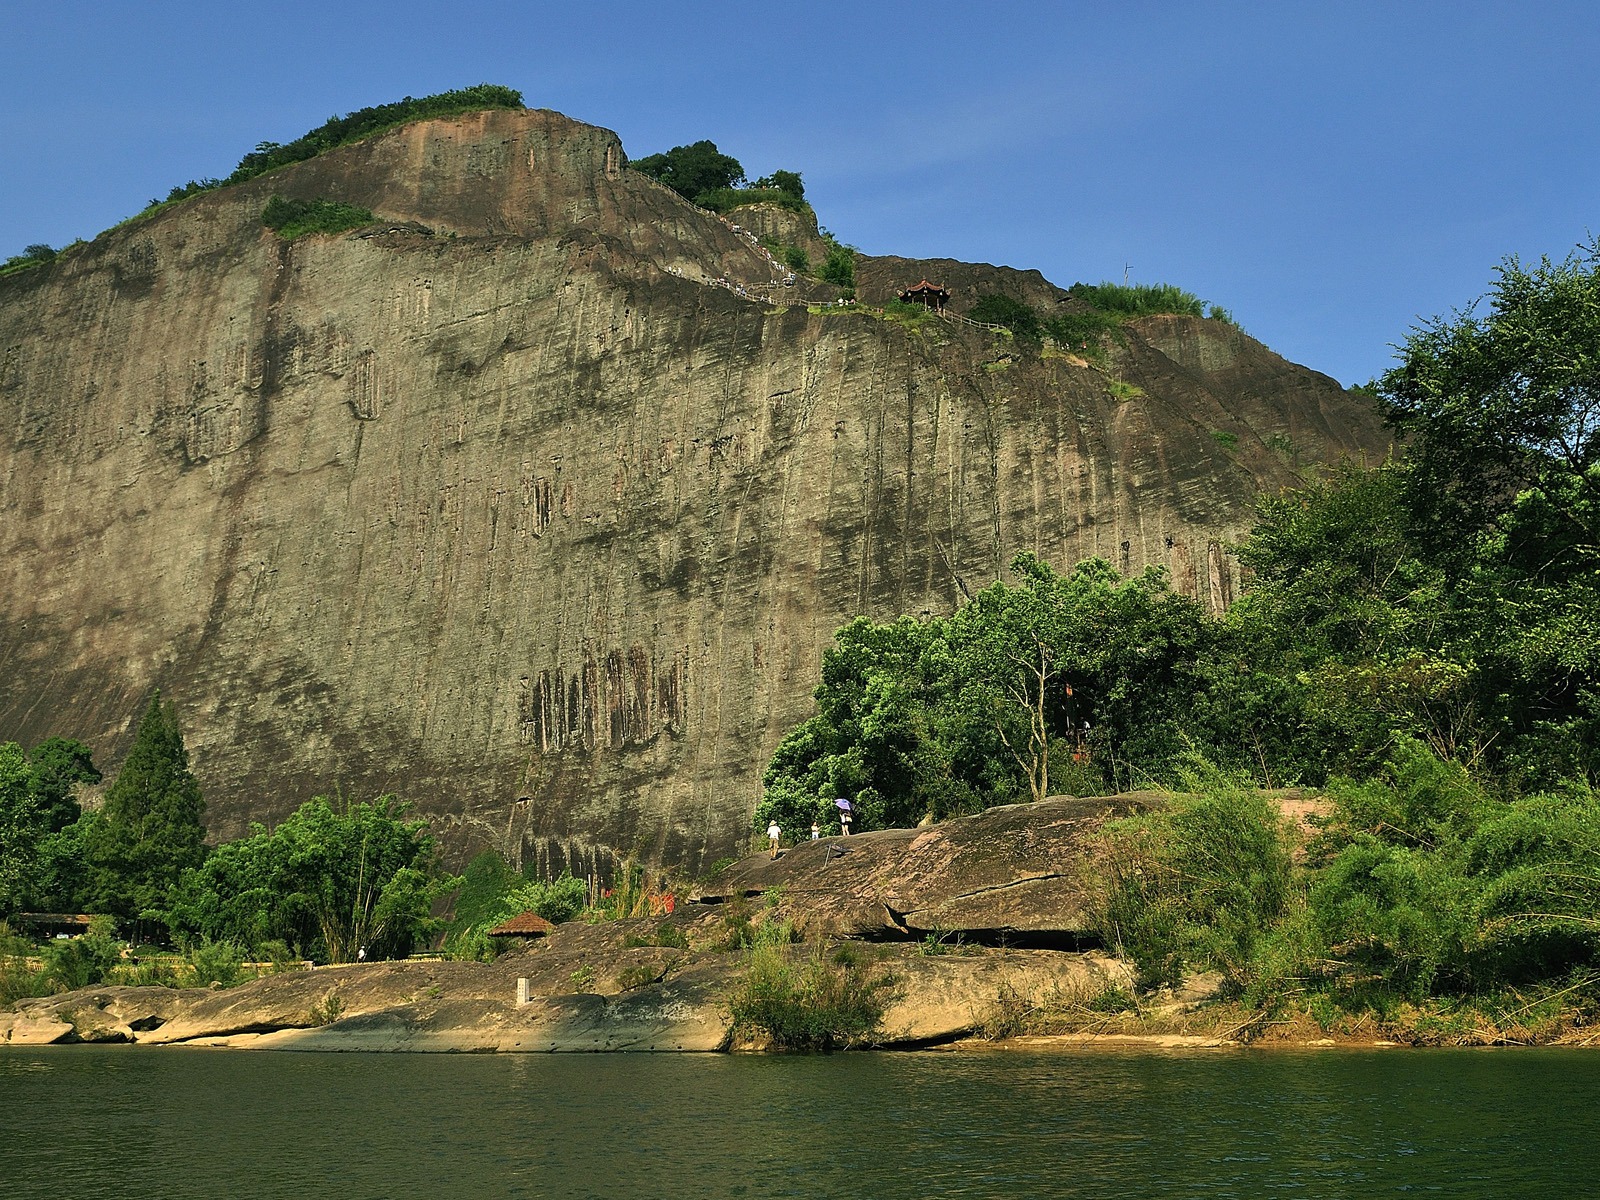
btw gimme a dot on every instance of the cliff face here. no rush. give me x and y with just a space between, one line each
521 506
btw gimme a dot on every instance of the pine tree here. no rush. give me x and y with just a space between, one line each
149 829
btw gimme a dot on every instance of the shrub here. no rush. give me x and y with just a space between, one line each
796 259
291 219
473 944
280 954
37 255
327 1010
341 131
638 975
221 963
1083 330
788 182
148 972
1139 299
670 936
816 1004
723 200
1195 885
20 975
1014 315
364 122
1007 1015
556 900
81 961
840 269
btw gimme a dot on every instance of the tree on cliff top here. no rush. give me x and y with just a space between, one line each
149 829
693 170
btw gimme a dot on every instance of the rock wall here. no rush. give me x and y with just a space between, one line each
516 506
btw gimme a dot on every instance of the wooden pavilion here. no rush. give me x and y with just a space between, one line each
929 294
525 925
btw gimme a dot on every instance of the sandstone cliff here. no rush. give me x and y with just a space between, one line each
538 502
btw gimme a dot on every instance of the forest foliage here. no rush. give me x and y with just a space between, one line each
1416 641
1449 598
333 877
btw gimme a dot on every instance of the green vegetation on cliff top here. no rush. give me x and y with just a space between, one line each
334 132
352 127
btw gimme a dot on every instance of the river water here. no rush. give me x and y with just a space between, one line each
174 1123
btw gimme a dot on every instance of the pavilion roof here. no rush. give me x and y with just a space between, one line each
528 924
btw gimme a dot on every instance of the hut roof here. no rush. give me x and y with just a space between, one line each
528 924
924 286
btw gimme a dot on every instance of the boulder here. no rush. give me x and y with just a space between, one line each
949 996
1007 875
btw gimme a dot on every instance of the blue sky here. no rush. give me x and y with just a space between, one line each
1329 173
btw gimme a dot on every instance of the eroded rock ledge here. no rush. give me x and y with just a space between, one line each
999 893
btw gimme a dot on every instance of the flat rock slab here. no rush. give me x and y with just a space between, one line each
1013 869
950 996
677 1001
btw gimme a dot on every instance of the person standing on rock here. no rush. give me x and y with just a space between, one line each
845 815
773 834
816 830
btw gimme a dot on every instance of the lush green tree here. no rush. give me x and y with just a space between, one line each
783 181
1344 639
40 838
22 825
1082 680
149 829
840 268
55 767
693 170
1501 411
1086 648
1499 405
332 878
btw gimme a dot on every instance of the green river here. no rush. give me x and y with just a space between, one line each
129 1122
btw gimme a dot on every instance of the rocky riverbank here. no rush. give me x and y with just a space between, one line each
976 929
960 924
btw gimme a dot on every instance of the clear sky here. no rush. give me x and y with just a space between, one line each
1328 172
